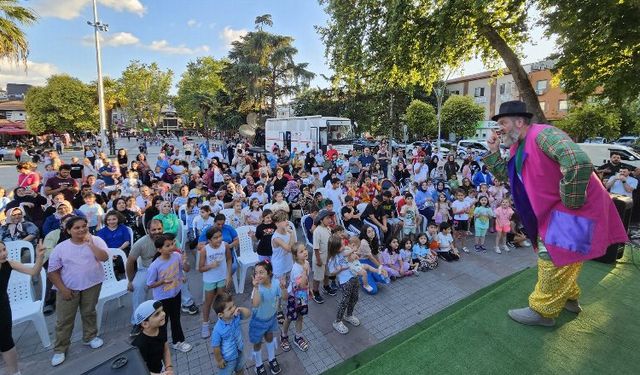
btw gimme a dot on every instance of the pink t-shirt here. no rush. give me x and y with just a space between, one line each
80 270
31 179
503 216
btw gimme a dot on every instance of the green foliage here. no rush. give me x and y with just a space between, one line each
145 89
263 70
599 46
198 90
65 104
460 115
421 119
591 120
630 118
13 42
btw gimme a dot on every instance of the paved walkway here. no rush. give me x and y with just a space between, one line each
396 307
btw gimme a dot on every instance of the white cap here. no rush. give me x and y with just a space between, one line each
145 310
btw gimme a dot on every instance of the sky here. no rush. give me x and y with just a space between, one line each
172 33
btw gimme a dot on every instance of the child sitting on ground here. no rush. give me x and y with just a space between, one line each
422 255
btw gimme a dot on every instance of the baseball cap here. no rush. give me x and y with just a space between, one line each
145 310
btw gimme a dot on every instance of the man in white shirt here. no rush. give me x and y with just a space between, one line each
622 183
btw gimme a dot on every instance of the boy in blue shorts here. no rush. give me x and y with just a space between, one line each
226 339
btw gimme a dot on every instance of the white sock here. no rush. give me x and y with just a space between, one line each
271 350
257 357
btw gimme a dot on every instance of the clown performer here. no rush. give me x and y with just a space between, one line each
567 213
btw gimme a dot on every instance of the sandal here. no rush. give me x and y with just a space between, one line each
280 317
301 343
284 343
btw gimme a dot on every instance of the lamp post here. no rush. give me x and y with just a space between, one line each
439 91
98 26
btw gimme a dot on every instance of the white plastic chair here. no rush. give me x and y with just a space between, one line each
247 258
14 248
361 207
112 288
267 206
226 212
25 307
182 210
131 237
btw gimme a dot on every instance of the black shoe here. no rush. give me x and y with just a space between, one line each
275 367
260 370
317 298
333 286
191 310
48 310
327 289
135 331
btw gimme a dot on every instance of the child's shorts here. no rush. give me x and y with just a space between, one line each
233 366
294 309
258 328
461 225
208 287
503 228
480 230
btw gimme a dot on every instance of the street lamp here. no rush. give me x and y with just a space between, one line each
439 91
98 26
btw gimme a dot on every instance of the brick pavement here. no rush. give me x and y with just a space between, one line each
395 308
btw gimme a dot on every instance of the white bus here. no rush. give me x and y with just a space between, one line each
315 131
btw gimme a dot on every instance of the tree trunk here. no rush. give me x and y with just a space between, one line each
520 77
273 93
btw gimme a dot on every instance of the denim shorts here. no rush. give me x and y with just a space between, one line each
258 328
232 366
208 287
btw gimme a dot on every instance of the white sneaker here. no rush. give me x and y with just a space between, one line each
205 332
95 343
352 320
526 243
368 288
498 250
465 249
182 347
57 359
506 248
340 327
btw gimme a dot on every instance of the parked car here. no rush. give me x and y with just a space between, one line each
469 146
601 153
627 140
434 145
596 140
362 143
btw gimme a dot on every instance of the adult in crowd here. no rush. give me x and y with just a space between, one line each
75 269
612 167
31 202
554 189
622 183
17 228
7 346
62 182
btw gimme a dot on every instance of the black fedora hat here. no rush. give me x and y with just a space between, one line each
512 108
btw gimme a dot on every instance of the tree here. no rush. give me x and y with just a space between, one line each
65 104
146 90
263 69
599 47
398 43
13 42
460 115
198 90
421 119
591 120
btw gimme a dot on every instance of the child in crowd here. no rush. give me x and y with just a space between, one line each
461 209
339 266
215 265
409 212
266 293
423 257
170 221
203 220
297 298
350 254
236 217
93 212
164 278
282 242
279 204
263 234
482 215
503 215
151 343
392 262
216 204
226 340
253 213
496 192
442 210
406 254
447 249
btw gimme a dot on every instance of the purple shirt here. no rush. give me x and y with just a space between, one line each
161 269
79 268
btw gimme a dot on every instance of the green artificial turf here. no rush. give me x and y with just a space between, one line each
475 335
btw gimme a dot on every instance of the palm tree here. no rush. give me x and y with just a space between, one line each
13 42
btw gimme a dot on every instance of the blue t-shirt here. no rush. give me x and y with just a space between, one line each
419 251
337 262
366 160
114 238
108 180
308 223
228 233
228 337
269 298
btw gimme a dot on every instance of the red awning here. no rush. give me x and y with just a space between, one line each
14 131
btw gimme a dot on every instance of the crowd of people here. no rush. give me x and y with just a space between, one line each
367 220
